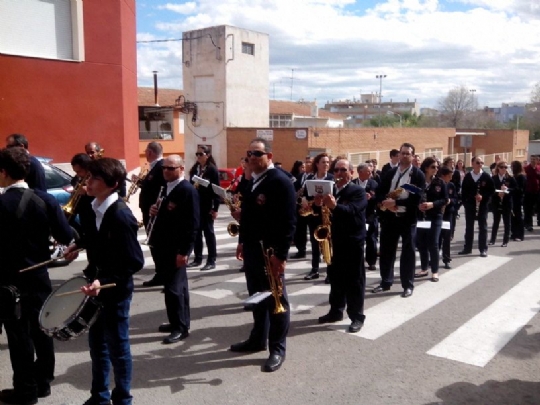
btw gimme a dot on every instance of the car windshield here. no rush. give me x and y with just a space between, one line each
53 178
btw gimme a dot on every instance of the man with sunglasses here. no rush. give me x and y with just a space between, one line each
476 191
398 220
268 216
172 239
348 232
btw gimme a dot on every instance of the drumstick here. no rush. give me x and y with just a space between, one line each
35 266
101 287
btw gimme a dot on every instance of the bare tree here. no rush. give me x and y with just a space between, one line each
457 106
535 93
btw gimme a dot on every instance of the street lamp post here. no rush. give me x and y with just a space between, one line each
473 91
380 77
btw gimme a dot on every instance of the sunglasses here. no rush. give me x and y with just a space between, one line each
199 154
340 169
170 168
256 153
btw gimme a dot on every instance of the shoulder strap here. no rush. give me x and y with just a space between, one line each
28 195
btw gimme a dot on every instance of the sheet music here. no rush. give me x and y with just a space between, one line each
319 187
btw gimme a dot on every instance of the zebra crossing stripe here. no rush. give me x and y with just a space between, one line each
394 312
482 337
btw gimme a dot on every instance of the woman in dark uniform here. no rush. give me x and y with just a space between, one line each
502 202
518 226
209 204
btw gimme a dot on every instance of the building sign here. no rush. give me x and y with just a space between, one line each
301 134
266 134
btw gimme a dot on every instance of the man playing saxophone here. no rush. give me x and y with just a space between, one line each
268 216
348 232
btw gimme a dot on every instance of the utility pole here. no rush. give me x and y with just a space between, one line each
292 81
380 77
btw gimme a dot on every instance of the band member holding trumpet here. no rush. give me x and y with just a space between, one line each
206 169
172 239
347 233
27 217
114 255
476 190
150 186
398 219
268 216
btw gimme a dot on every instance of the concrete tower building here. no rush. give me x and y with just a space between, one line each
226 84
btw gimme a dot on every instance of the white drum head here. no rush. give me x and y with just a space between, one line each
57 311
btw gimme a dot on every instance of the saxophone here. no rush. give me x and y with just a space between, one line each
323 235
276 283
234 227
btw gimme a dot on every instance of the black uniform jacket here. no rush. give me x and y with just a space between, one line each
177 221
507 202
453 197
411 203
114 253
36 175
209 201
268 213
349 215
484 186
437 193
371 188
24 241
150 187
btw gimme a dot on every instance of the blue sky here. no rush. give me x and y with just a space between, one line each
337 47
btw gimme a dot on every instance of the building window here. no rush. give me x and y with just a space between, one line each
280 121
155 123
356 158
42 29
248 48
434 152
520 152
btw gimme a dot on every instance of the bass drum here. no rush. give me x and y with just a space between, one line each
57 250
69 316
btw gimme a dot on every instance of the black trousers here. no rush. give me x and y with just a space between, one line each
391 231
372 238
206 228
470 219
505 214
428 245
267 326
530 201
517 224
313 223
176 288
300 235
348 280
26 339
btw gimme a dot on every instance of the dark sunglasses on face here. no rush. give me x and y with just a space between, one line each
479 163
170 168
256 153
199 154
340 169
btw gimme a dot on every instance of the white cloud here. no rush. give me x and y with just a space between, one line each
337 51
185 8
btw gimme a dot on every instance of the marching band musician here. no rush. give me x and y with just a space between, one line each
79 164
209 204
367 182
476 190
300 236
114 255
150 187
502 202
449 214
399 220
320 166
172 239
435 197
27 217
94 150
36 174
348 230
268 216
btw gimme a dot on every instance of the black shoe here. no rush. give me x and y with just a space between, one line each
44 390
247 346
372 267
504 245
92 401
10 396
530 228
273 363
155 282
299 255
249 307
242 269
465 252
447 265
313 275
208 266
491 242
175 336
407 292
330 318
483 253
379 289
194 263
327 280
356 326
165 328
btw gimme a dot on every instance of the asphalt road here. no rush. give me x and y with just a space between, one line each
473 338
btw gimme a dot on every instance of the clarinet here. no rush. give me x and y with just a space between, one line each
477 202
152 221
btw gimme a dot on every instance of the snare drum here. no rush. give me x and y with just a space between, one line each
67 317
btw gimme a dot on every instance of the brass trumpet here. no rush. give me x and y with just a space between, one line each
136 184
71 206
276 283
152 221
323 235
